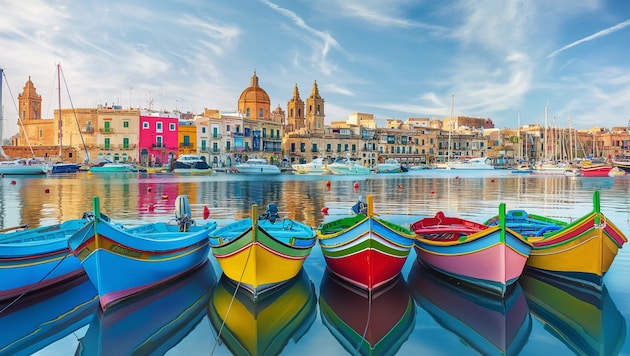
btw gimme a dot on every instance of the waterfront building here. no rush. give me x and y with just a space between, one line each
158 138
116 136
187 137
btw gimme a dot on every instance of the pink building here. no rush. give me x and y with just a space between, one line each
157 138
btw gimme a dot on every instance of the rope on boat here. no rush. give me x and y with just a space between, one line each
34 285
238 285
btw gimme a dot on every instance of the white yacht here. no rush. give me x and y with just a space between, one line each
257 166
316 166
346 166
391 165
471 163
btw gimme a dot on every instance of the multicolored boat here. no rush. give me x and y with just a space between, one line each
155 252
367 322
34 259
585 320
581 251
264 251
488 323
364 249
153 323
262 325
489 257
42 317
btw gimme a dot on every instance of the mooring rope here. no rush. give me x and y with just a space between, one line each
369 314
249 252
34 285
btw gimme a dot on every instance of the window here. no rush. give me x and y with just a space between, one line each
107 126
247 114
318 110
107 145
228 128
338 147
292 147
328 147
314 147
158 126
215 147
264 132
126 124
158 142
171 126
302 147
345 147
215 132
227 146
203 145
186 141
203 129
125 142
145 125
260 112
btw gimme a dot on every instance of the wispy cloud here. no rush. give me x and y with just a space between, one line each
327 41
602 33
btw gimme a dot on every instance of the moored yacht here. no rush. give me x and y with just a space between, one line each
257 166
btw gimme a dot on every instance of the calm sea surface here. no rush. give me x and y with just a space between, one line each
419 314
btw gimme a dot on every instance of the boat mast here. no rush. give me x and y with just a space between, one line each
60 122
546 129
518 136
1 113
450 129
572 146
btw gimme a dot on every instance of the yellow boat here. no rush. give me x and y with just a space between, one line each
582 251
262 326
262 252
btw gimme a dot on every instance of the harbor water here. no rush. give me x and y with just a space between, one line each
419 313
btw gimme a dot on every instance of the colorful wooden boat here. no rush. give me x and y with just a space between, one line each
488 323
596 170
41 318
582 251
585 320
155 252
364 249
262 325
153 323
264 251
492 258
367 322
33 259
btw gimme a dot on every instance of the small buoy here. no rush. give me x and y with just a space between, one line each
328 183
206 212
13 182
400 187
151 207
46 190
89 173
433 192
164 196
149 190
356 185
492 180
325 210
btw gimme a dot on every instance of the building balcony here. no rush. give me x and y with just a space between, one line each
104 130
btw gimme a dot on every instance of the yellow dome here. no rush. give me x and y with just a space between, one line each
254 101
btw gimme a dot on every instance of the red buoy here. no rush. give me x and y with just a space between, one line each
206 212
325 210
13 182
328 183
151 207
356 185
46 190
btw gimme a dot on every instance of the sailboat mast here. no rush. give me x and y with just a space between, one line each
1 113
518 136
60 122
546 132
450 129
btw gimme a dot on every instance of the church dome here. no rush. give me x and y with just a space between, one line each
254 93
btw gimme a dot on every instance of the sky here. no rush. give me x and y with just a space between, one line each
395 59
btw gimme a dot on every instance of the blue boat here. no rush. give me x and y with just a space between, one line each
60 168
33 259
122 262
154 322
41 318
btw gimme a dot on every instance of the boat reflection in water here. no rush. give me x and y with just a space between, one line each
367 323
152 322
585 320
262 325
490 324
45 316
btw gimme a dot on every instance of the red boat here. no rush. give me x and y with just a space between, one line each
597 170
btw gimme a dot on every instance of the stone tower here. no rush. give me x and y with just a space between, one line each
295 108
315 111
30 103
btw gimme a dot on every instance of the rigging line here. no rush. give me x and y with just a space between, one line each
216 342
34 285
367 321
76 119
18 112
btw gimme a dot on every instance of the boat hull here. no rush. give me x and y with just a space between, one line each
35 259
367 252
262 256
108 253
582 251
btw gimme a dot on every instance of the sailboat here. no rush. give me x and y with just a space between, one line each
19 166
62 167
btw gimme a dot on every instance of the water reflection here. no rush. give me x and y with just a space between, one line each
489 324
367 324
41 318
151 323
263 325
585 320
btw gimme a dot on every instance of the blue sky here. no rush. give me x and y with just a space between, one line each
395 59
